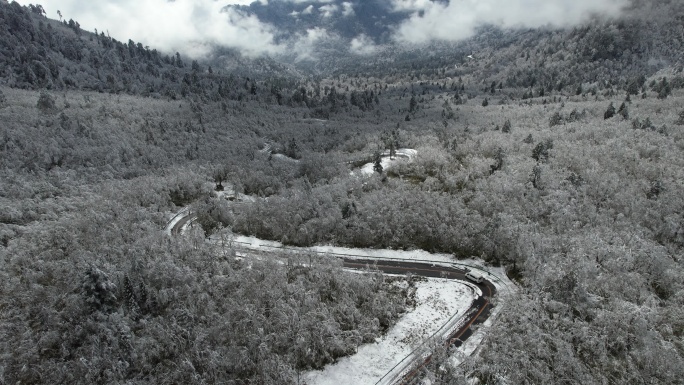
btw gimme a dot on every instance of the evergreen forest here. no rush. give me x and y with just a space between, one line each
556 154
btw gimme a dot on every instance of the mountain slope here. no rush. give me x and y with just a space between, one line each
40 53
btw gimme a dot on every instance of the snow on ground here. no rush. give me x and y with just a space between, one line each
253 242
367 169
473 343
226 193
285 158
496 275
175 219
229 194
437 301
413 255
403 155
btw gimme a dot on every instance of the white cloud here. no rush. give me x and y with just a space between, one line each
328 10
410 5
363 45
458 19
304 45
309 1
191 27
308 10
195 27
347 9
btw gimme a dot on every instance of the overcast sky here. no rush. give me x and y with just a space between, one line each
194 26
459 18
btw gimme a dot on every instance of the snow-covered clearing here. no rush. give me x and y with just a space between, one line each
229 194
437 301
402 155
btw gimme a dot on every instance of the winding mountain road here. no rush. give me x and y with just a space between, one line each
409 370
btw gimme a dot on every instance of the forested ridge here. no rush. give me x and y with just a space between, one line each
38 52
575 189
614 52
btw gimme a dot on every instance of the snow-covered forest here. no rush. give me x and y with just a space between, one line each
557 155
